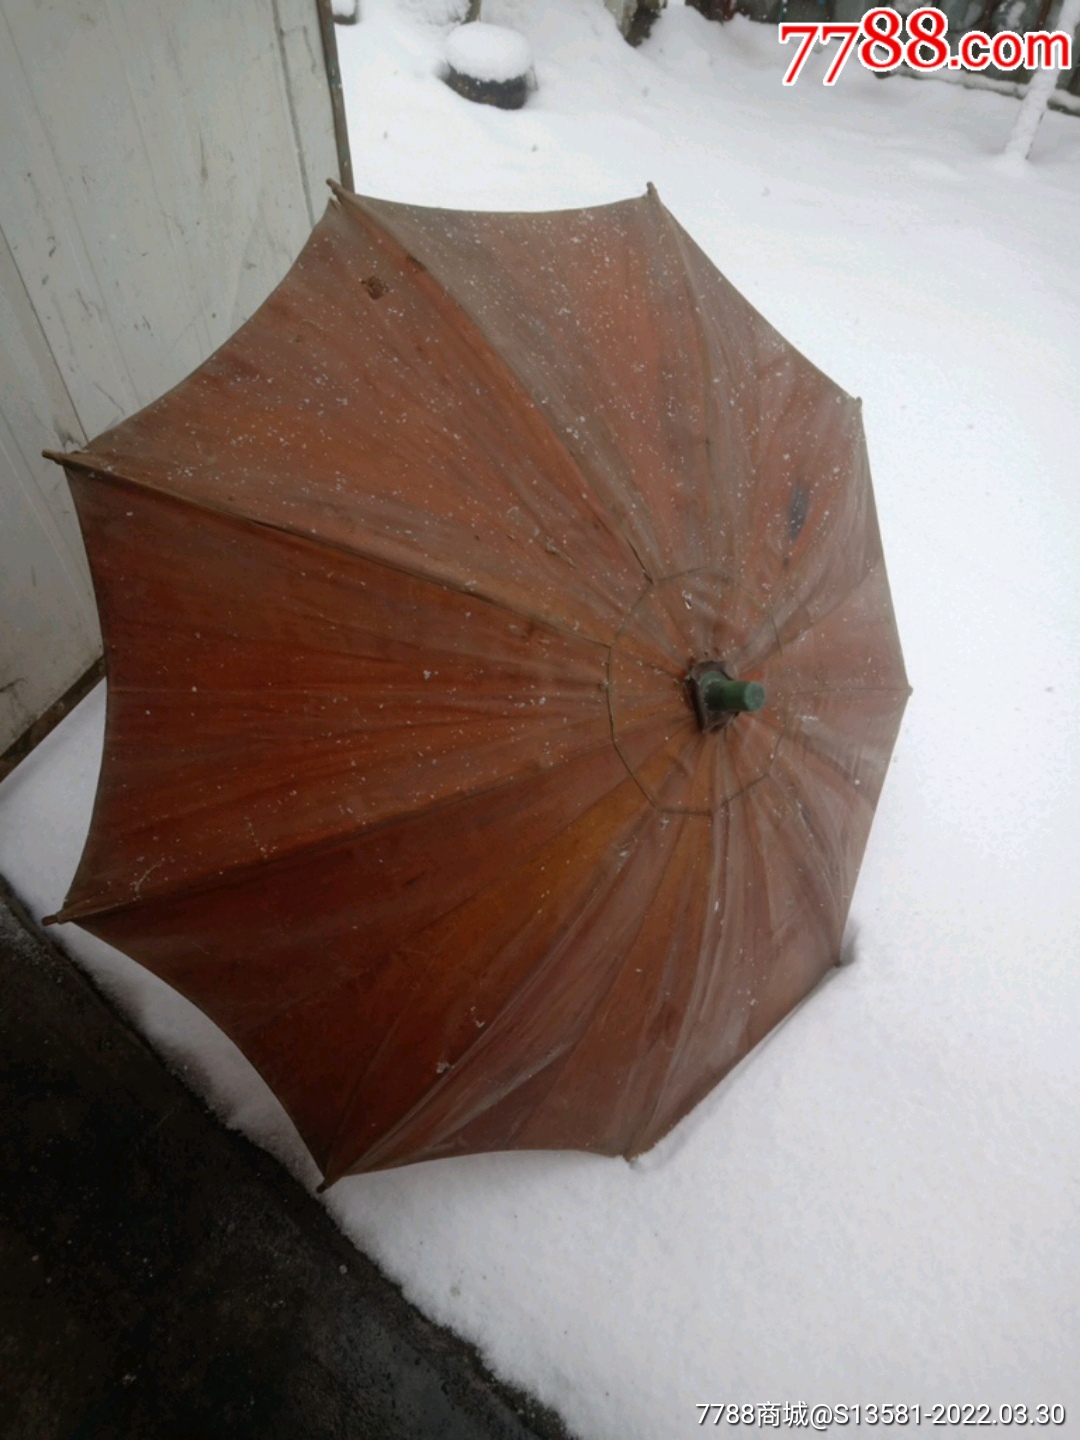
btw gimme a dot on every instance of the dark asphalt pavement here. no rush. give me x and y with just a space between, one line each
162 1277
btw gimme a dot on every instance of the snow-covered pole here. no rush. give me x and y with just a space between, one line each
1037 96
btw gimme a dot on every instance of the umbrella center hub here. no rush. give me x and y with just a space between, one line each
718 696
676 675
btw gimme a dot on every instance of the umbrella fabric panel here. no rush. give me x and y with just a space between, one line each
566 1042
510 976
800 501
593 312
721 948
718 446
853 646
359 406
267 693
633 1037
729 942
286 958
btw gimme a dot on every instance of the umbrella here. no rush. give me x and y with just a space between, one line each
502 675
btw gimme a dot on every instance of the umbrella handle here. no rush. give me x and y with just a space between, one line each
717 697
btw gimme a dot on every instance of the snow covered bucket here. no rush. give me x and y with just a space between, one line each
489 64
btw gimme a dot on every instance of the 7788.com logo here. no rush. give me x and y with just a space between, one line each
876 39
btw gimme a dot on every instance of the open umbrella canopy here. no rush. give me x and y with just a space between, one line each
502 675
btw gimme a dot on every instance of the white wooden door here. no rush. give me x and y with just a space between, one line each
161 165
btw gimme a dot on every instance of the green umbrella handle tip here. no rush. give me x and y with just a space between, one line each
717 697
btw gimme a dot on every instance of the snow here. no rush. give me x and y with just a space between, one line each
881 1203
488 52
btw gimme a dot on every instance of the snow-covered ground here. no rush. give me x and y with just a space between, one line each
882 1203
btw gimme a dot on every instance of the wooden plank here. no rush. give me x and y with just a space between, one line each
50 632
160 168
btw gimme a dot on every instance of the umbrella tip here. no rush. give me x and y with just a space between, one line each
718 697
650 190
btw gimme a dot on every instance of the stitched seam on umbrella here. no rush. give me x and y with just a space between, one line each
342 839
673 231
382 229
690 1021
564 1059
442 915
86 465
823 533
482 1039
740 1053
401 1015
792 640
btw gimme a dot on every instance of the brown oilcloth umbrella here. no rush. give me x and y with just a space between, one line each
501 678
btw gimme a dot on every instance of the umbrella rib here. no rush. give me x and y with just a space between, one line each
564 1059
878 566
238 874
690 1015
672 230
86 465
664 1088
827 875
394 1026
445 298
441 915
483 1041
